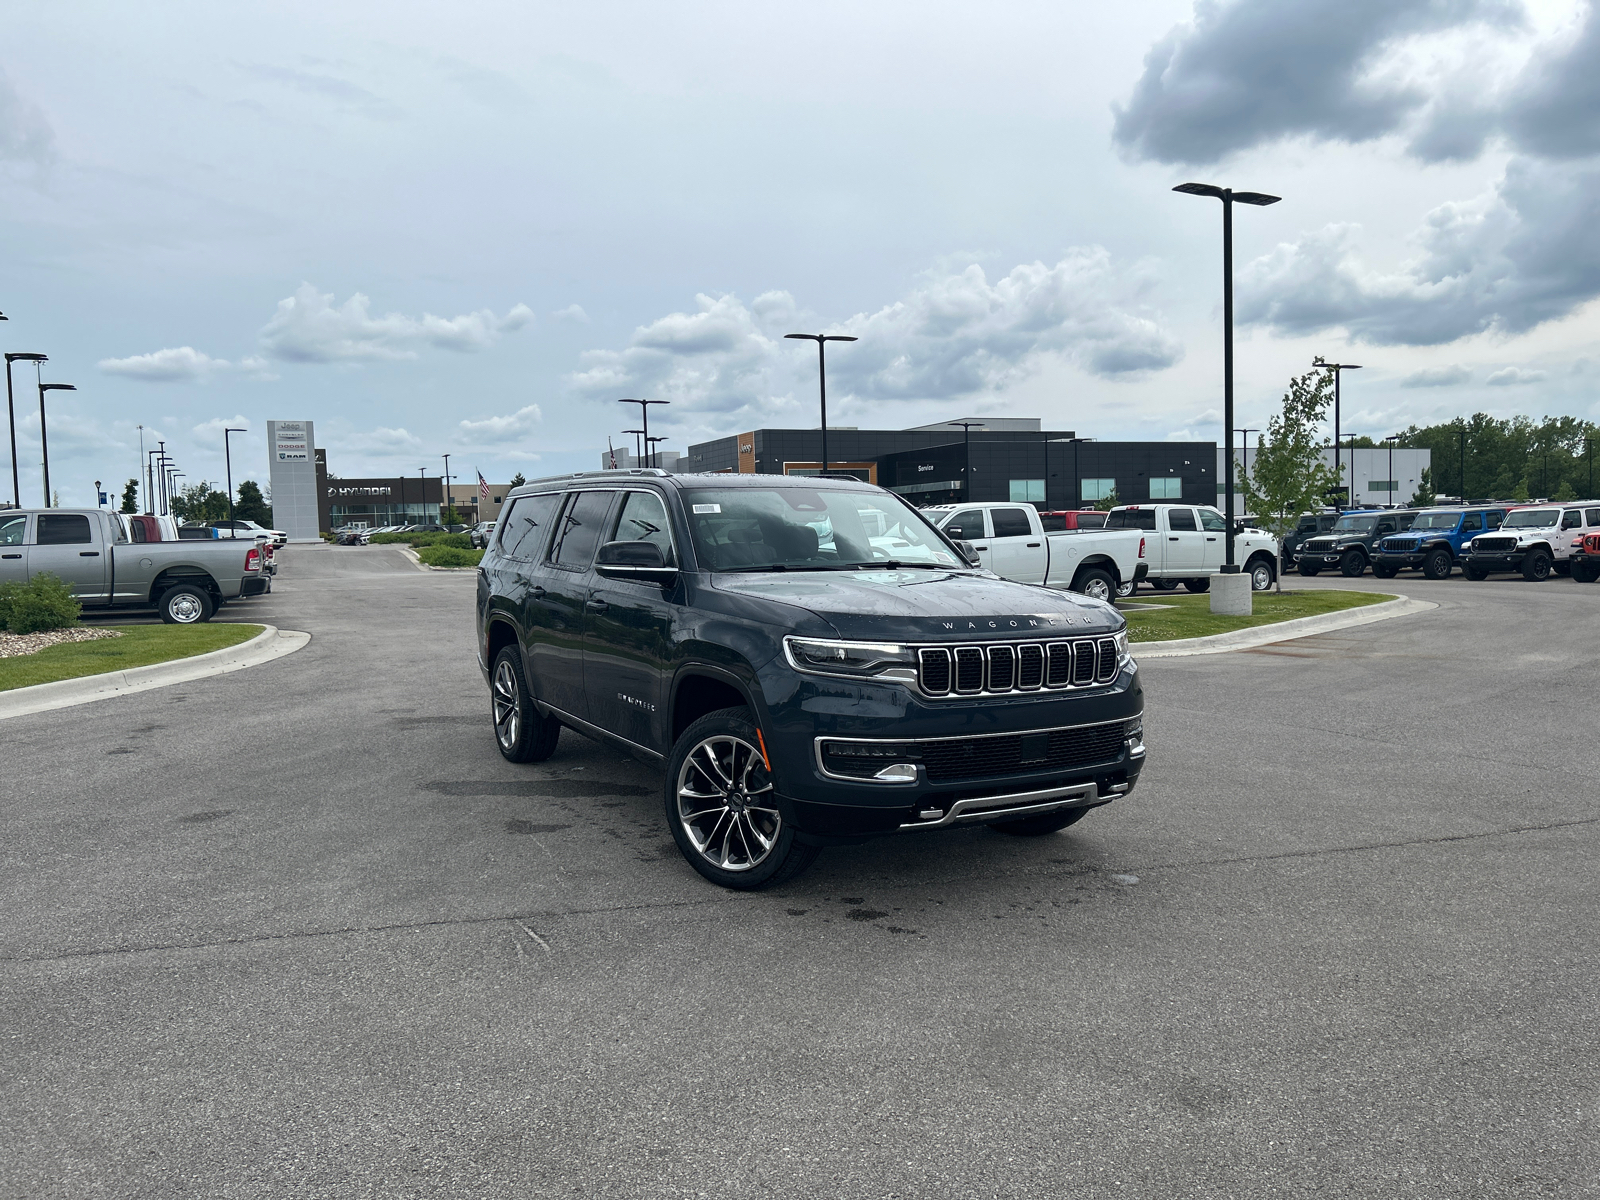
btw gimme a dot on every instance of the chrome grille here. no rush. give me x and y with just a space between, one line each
1016 667
1494 545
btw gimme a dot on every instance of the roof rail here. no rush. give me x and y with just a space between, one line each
602 474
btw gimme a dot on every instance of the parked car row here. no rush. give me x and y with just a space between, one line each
360 535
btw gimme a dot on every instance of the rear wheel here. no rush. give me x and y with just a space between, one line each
1165 585
1353 564
1476 574
1043 823
1126 588
722 809
186 604
520 732
1438 564
1306 568
1203 584
1384 572
1094 583
1536 566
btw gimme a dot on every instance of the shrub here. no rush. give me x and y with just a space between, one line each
43 603
449 556
389 539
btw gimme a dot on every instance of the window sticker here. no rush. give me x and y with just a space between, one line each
708 508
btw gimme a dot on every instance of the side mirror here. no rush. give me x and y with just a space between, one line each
968 553
641 562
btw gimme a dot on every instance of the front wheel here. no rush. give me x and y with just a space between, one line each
1476 574
1203 584
1438 564
186 604
1094 583
1585 572
520 732
1165 585
1536 566
1353 564
1308 569
722 808
1261 575
1043 823
1383 572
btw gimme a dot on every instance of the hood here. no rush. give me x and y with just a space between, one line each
927 606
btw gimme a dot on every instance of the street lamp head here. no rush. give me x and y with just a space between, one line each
1199 189
1259 199
58 387
11 358
822 337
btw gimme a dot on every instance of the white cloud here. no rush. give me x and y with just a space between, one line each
177 364
25 134
490 430
1430 377
572 312
1514 377
211 431
953 336
308 328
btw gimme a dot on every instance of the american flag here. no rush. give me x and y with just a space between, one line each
483 485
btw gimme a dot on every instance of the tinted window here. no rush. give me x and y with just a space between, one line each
643 518
1210 521
1493 518
12 529
1053 524
1307 525
526 532
1592 515
63 529
1572 519
1010 522
1133 518
966 524
1181 520
1091 520
582 522
1472 523
1387 525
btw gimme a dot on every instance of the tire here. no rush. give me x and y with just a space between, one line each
1438 564
1165 585
1476 574
186 604
1203 584
1095 583
1353 565
1536 566
1043 823
1585 572
1261 575
1126 588
521 734
1308 569
1384 572
716 771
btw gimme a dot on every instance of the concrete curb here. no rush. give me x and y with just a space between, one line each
1283 631
267 645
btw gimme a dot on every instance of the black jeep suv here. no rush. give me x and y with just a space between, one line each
1348 545
810 660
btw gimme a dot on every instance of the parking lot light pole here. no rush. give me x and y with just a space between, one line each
1338 467
172 483
1244 436
422 473
1391 439
44 439
1228 197
447 501
966 455
11 414
644 417
228 457
638 454
822 339
650 449
1077 477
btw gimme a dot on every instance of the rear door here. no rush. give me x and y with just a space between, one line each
1016 551
558 598
66 545
1184 543
14 548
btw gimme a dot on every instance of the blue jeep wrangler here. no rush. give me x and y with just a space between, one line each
1434 541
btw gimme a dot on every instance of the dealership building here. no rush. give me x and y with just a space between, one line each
998 459
399 499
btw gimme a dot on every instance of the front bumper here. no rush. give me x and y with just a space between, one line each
1510 561
1398 561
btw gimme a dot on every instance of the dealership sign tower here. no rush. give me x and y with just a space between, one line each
294 479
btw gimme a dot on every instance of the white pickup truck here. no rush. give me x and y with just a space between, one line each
1167 544
1011 542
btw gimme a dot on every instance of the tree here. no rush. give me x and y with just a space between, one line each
200 502
450 517
1287 473
1107 503
251 505
517 480
1423 497
130 497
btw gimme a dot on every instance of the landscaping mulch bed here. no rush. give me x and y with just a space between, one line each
15 644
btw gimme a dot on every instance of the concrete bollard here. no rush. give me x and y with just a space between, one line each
1230 595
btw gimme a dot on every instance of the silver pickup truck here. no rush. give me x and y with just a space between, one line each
90 550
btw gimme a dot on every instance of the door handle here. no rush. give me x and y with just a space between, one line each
1211 539
1033 545
88 554
10 556
1172 539
536 592
980 547
597 606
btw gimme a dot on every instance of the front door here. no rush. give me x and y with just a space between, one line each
968 526
1184 545
64 544
1016 551
1213 549
555 613
13 549
627 653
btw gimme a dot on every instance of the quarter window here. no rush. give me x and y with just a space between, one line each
643 518
579 528
63 529
1010 522
526 531
1493 519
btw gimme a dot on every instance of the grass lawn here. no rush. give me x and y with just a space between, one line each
1190 616
139 646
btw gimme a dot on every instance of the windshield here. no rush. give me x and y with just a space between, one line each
1355 524
1531 518
809 529
1436 520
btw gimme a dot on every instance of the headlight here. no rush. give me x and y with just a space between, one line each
848 658
1124 655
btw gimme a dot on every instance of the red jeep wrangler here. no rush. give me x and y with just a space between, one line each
1586 558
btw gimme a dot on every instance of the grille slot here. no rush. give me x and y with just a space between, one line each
1060 672
979 757
969 669
1030 667
1002 668
935 671
1082 663
1108 661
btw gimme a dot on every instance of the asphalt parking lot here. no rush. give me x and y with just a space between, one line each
300 931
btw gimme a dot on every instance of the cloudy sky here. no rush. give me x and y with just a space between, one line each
470 228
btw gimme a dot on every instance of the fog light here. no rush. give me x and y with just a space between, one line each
898 773
1133 737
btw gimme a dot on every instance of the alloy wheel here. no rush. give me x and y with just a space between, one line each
725 803
507 705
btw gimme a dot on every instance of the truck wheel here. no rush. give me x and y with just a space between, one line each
1261 575
1203 584
1476 574
1384 572
1165 585
1126 588
1536 566
1307 569
1585 572
720 806
1353 564
186 604
1043 823
1094 583
520 732
1438 564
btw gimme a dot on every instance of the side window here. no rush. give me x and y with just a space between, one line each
1211 522
1572 519
525 532
1181 520
579 527
1307 525
1592 516
12 530
966 525
1386 525
643 518
63 529
1472 523
1493 519
1010 522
